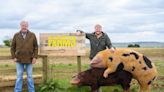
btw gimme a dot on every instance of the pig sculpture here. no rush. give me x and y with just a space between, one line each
142 69
94 78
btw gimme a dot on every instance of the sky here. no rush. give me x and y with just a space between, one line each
122 20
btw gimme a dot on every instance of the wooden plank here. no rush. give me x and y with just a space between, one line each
10 80
45 68
9 57
5 57
13 70
62 44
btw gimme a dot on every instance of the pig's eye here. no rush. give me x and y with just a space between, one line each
110 58
74 76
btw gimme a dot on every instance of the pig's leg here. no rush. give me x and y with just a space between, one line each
95 88
148 88
126 86
144 87
128 90
108 71
140 90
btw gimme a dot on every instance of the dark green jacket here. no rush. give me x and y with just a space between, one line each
24 49
98 44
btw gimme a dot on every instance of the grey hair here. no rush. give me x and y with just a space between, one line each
22 22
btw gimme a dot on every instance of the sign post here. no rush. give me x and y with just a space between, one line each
62 44
79 63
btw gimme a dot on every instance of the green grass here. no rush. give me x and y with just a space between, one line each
72 67
160 67
63 85
61 70
62 73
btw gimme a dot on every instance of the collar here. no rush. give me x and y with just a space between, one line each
95 33
100 36
24 32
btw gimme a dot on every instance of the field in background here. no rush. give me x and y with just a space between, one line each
63 68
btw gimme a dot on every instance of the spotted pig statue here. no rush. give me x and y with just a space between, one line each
142 69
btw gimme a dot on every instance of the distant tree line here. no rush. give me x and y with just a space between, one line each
134 45
7 42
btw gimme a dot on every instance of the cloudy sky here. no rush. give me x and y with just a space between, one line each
122 20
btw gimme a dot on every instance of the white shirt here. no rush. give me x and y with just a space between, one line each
24 34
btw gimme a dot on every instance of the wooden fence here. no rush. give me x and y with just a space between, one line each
44 65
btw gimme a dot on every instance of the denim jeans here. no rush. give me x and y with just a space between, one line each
19 82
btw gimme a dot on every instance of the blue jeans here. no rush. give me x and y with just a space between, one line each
19 82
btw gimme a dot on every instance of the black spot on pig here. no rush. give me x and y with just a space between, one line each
135 55
94 78
111 59
140 62
151 80
120 67
148 62
154 77
144 68
149 83
125 55
133 68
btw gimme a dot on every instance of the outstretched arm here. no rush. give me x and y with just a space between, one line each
87 35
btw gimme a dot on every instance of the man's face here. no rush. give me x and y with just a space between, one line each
98 29
24 26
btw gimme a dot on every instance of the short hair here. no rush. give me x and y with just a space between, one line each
98 25
23 22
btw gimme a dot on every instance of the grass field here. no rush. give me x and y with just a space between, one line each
61 69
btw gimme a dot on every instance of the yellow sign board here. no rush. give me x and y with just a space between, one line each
62 44
62 41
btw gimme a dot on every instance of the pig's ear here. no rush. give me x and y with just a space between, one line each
96 60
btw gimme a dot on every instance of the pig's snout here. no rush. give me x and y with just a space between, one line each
75 81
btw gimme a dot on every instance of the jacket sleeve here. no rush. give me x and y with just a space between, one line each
35 50
108 42
13 47
87 35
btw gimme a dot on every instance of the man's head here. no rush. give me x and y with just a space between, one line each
98 29
24 26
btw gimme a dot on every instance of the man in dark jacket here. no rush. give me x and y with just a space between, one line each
98 41
24 51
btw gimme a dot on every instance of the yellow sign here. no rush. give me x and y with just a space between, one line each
62 41
62 44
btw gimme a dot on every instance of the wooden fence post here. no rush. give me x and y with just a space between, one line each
79 63
45 68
